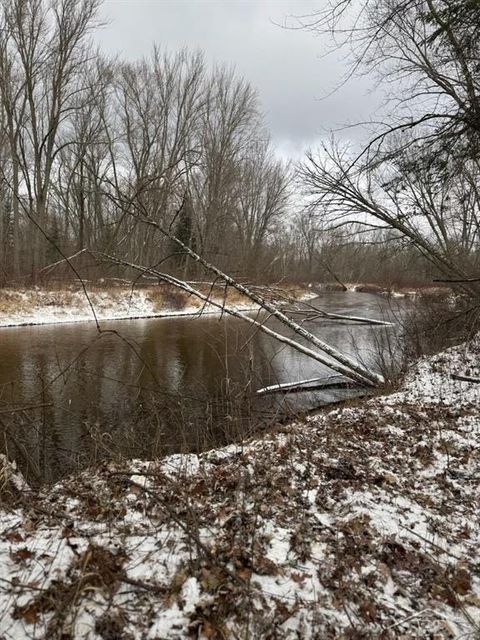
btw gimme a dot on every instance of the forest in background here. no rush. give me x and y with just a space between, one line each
92 148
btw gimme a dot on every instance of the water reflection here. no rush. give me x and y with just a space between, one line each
149 387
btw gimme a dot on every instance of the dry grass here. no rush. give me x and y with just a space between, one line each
30 300
12 302
166 297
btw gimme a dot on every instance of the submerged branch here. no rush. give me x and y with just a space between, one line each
313 384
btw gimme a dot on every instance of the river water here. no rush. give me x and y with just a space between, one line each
157 386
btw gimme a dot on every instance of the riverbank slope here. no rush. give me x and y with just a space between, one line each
361 522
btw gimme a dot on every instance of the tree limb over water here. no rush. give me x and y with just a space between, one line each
336 360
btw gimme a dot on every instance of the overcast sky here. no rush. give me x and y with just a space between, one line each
286 66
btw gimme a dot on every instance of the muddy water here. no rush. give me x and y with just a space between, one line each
156 386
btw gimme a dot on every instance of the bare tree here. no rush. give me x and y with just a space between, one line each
44 50
82 162
418 174
158 103
228 127
262 202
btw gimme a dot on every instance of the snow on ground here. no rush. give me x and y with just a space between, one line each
37 306
49 307
361 522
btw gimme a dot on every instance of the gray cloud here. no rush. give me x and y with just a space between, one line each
286 66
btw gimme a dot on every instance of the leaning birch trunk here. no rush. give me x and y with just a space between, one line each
362 373
335 365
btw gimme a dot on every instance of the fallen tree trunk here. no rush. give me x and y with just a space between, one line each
332 363
456 376
313 384
348 366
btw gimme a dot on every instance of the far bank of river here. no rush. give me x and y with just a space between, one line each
37 306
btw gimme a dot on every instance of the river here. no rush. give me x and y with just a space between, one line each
157 386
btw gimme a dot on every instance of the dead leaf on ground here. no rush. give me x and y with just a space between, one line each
21 555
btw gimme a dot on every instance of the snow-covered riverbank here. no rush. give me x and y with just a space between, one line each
37 306
42 306
362 522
